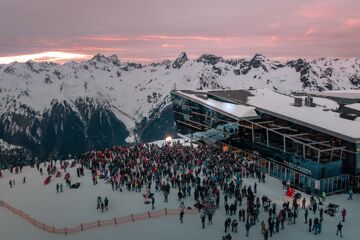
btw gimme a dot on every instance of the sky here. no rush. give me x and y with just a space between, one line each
153 30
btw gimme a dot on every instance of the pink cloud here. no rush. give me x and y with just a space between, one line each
275 25
317 9
353 22
274 39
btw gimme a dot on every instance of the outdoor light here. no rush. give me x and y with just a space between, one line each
168 139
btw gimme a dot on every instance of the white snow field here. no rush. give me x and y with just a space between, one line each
72 207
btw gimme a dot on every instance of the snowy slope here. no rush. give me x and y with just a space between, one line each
73 207
103 102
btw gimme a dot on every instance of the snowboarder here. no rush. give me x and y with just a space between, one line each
339 229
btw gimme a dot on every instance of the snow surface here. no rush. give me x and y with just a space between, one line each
316 116
349 94
355 106
235 110
75 206
7 146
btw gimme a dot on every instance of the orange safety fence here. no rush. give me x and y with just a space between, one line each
96 224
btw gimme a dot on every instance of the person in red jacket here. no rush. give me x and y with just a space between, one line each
343 214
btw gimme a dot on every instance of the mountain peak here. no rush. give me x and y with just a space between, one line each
102 58
209 59
182 58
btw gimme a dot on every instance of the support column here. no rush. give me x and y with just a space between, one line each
252 132
267 137
284 143
357 158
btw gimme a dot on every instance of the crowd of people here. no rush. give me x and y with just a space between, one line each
203 174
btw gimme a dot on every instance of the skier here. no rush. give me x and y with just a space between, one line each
323 196
210 216
263 177
266 234
339 229
202 216
153 203
303 203
350 194
227 224
98 202
106 201
263 227
343 214
310 224
10 183
247 228
227 208
181 215
306 214
234 226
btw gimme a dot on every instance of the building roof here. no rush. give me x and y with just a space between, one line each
320 118
352 94
355 106
236 111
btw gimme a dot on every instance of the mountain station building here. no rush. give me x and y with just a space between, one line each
305 139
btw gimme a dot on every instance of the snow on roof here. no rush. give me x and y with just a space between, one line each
355 106
313 117
235 110
348 94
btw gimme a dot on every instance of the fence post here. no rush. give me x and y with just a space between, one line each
115 221
82 229
165 211
99 223
149 215
132 217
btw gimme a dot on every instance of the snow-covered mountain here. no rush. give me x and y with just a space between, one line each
56 109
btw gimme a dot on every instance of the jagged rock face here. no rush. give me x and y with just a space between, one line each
50 109
180 60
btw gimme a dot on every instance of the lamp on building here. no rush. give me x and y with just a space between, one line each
168 139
